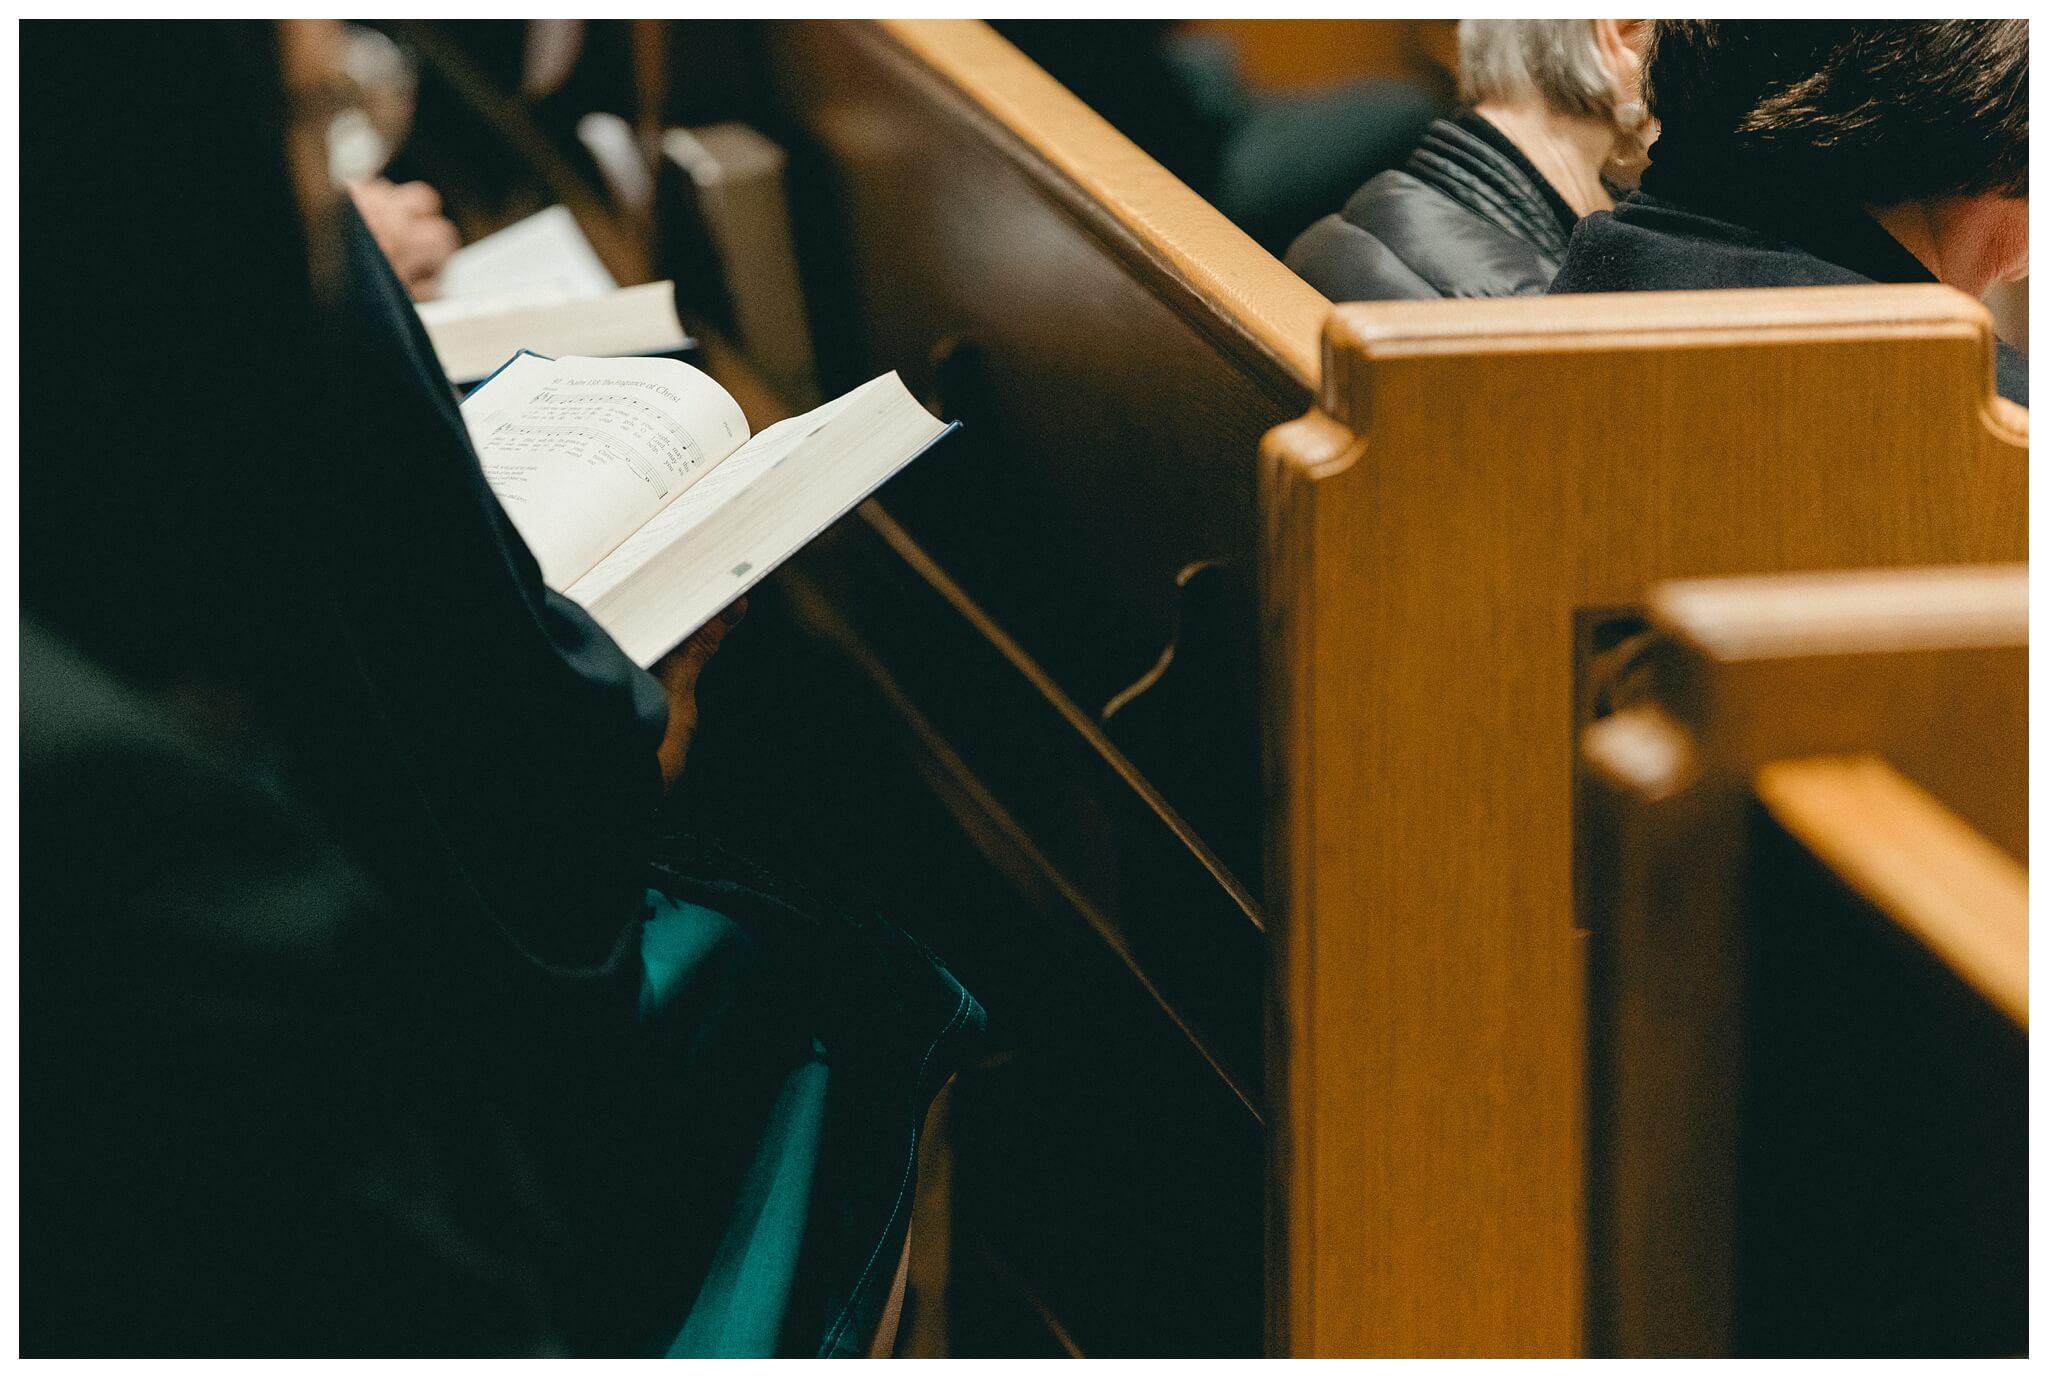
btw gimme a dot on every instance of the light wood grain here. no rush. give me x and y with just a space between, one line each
1742 950
1850 612
1111 411
1924 868
1233 275
1510 463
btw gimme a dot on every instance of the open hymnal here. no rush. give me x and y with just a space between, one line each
632 320
539 285
638 488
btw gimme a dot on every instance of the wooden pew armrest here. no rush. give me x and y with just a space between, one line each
1925 869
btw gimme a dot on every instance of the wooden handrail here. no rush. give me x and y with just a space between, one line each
1218 261
1848 612
1925 869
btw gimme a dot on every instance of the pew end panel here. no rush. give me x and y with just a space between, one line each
1479 481
1808 900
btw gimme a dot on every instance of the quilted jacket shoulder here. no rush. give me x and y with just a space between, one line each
1462 219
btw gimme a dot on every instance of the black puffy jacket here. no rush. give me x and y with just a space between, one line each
1469 216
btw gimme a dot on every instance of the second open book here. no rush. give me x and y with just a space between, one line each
637 486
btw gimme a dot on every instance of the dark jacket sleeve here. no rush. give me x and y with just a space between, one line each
524 739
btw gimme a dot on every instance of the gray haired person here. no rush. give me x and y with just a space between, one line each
1553 127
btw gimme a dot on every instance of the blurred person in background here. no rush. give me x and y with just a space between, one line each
1806 153
1553 129
1268 160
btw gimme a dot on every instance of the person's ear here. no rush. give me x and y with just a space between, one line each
1978 241
1620 45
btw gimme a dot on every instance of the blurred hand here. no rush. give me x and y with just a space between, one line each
678 672
410 229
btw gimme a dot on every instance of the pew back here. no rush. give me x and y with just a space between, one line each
1808 897
1038 646
1452 539
1113 345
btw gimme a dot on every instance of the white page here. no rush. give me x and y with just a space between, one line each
542 260
584 452
785 487
476 306
632 320
726 481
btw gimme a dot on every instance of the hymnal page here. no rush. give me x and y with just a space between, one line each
712 492
585 452
541 261
750 513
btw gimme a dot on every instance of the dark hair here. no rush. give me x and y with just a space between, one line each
1884 111
168 341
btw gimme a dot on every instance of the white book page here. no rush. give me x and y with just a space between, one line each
782 489
726 481
543 259
584 452
632 320
475 306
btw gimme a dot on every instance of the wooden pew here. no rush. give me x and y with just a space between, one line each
1049 765
1456 540
1807 887
1016 699
1427 1194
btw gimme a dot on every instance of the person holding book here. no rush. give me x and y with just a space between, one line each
255 501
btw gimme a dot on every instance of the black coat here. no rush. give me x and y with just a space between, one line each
1693 229
236 1139
271 504
484 741
1469 216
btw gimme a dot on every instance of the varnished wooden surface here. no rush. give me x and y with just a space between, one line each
1809 1005
1479 475
1854 612
1918 646
1237 281
1113 346
1932 874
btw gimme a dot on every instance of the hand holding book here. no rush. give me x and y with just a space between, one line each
678 672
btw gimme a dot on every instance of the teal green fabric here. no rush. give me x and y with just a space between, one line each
743 1306
850 1031
676 944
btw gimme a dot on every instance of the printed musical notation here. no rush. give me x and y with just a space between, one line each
582 452
601 428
